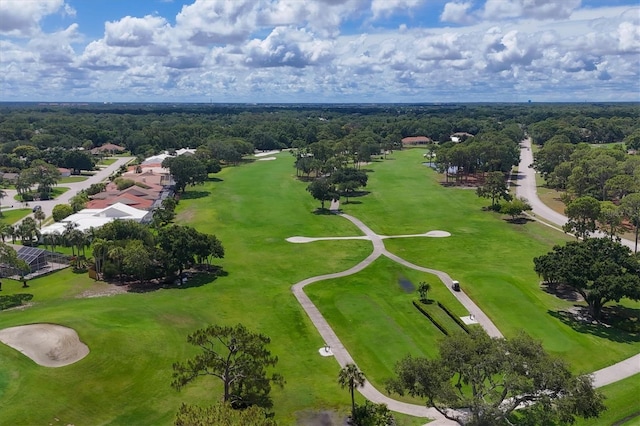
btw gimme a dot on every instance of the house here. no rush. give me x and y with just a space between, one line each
95 218
185 151
460 137
416 140
64 172
108 148
10 177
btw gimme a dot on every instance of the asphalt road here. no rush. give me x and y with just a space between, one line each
74 188
526 187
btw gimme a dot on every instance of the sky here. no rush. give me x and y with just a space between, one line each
319 51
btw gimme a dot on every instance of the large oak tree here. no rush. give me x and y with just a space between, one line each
600 269
492 377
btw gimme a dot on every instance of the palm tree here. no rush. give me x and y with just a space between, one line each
10 231
117 255
23 185
351 376
100 250
4 230
28 230
3 194
39 216
423 289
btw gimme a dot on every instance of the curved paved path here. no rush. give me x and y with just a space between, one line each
527 188
340 352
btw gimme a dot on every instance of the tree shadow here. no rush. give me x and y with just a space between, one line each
563 292
519 220
321 211
215 179
352 201
196 277
194 195
602 330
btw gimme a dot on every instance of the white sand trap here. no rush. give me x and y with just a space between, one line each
49 345
264 154
266 159
437 234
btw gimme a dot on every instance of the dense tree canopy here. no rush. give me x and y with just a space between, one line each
492 377
222 414
186 170
582 214
599 269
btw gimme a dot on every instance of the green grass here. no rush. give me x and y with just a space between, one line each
72 179
621 402
135 338
12 216
489 256
107 161
56 191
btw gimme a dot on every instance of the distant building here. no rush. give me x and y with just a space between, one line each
10 177
460 137
64 172
95 218
416 140
108 148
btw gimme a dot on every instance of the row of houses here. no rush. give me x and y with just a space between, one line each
424 140
152 184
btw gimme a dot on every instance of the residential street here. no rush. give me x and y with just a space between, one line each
526 187
74 188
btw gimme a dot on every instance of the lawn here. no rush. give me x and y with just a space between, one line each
56 191
135 338
72 179
107 161
14 215
622 404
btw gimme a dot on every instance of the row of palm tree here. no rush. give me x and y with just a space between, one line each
28 232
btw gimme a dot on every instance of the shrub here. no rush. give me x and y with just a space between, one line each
123 183
61 211
426 314
455 318
14 300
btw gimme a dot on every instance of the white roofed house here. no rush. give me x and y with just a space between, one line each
96 218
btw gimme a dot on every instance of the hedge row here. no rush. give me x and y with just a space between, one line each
426 314
455 318
14 300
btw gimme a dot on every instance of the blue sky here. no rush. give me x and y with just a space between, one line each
319 50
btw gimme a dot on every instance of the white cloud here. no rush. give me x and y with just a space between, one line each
536 9
134 32
287 47
457 13
294 50
20 18
211 22
381 8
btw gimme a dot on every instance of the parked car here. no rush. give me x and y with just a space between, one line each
36 208
456 285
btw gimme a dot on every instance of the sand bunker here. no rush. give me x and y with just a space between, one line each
266 159
48 345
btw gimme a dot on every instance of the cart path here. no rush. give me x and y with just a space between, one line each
340 352
527 188
605 376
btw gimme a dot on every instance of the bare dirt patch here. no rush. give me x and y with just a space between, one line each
103 290
49 345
